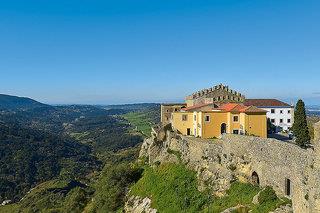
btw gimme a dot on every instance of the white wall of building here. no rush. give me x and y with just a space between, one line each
280 116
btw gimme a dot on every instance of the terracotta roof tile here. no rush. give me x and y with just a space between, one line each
233 107
264 103
197 107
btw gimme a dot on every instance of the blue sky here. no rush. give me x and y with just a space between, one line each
126 51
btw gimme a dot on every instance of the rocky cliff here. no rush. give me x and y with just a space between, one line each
291 171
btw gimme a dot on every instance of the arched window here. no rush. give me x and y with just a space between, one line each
255 178
223 128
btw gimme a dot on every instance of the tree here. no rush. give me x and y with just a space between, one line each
300 126
270 127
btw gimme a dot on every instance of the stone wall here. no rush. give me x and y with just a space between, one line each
276 163
216 94
235 157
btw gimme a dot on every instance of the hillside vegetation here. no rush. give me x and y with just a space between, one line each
173 188
8 102
66 158
143 120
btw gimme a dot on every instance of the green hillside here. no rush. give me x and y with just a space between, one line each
13 103
66 158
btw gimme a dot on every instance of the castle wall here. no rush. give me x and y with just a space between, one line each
235 157
275 162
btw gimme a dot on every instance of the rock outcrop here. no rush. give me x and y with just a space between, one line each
136 204
291 171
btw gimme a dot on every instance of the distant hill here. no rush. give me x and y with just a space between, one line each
132 107
8 102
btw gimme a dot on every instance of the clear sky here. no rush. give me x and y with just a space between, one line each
125 51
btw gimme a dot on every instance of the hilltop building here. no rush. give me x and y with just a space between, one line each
280 114
168 109
209 120
210 112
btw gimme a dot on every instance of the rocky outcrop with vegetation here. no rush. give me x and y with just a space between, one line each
221 175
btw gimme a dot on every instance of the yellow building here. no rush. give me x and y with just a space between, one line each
209 120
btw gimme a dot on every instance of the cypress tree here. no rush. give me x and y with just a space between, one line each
300 126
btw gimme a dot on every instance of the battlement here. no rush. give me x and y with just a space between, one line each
216 94
207 91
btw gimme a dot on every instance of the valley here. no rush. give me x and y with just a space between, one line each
68 155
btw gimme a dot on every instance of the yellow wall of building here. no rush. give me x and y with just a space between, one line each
213 127
252 124
180 125
167 110
232 125
256 124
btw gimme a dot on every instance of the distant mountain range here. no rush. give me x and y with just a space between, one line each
313 110
9 102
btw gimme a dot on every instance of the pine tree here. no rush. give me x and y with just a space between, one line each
300 126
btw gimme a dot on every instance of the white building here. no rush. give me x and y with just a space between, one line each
280 114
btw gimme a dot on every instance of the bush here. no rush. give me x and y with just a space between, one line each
268 201
267 195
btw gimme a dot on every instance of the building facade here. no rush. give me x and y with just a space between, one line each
208 121
218 95
280 114
167 109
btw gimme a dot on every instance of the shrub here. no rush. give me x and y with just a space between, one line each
268 194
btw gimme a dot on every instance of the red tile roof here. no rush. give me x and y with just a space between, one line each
265 103
196 107
233 107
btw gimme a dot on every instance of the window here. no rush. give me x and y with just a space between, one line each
176 110
273 121
289 111
207 118
184 117
281 111
194 117
236 131
188 131
235 118
281 121
289 121
288 187
272 111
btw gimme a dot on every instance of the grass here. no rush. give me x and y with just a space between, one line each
268 201
176 153
141 121
9 208
173 188
238 194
